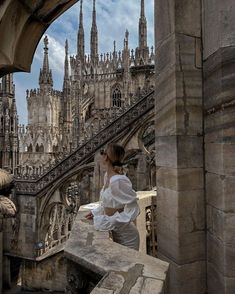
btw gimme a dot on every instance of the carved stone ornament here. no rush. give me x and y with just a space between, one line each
27 185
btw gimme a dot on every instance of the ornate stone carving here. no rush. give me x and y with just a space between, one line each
151 240
82 154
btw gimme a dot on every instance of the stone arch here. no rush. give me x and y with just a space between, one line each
27 30
46 199
55 225
135 134
178 31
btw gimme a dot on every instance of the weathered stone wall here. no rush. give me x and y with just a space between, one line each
219 102
20 234
49 274
179 144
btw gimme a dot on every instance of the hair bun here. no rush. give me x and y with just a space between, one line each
117 163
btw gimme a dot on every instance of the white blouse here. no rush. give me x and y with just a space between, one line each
119 194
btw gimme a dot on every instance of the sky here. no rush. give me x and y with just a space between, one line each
113 18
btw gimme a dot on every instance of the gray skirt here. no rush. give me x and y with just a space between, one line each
127 235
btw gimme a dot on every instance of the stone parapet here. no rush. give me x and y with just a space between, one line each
93 259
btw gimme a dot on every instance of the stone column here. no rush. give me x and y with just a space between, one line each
219 92
141 172
179 144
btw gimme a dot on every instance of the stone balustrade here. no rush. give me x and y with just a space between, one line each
97 265
32 180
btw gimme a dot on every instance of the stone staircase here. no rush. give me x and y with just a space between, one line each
32 184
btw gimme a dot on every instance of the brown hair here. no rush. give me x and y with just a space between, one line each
116 155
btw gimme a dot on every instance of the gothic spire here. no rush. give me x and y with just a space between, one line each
126 40
45 77
81 36
142 28
142 9
7 84
66 67
94 36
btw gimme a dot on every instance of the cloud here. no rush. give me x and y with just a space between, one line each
113 18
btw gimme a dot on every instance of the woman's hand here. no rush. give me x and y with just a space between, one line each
89 215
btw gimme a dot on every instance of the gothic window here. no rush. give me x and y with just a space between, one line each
92 72
89 111
63 232
12 124
141 61
37 148
1 127
55 148
117 97
70 225
41 148
30 148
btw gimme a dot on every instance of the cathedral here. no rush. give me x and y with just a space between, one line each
95 87
9 144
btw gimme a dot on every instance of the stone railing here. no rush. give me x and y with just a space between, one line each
32 186
97 265
108 115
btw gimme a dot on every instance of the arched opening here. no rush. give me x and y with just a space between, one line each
41 148
30 148
55 148
117 97
89 111
2 126
37 148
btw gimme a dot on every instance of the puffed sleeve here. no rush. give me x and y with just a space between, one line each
98 210
123 196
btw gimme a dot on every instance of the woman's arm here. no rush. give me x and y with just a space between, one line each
124 196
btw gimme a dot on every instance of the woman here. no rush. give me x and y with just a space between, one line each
118 202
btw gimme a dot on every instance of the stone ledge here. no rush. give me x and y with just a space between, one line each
123 269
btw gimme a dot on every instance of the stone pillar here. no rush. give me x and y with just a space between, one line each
219 92
179 144
141 172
